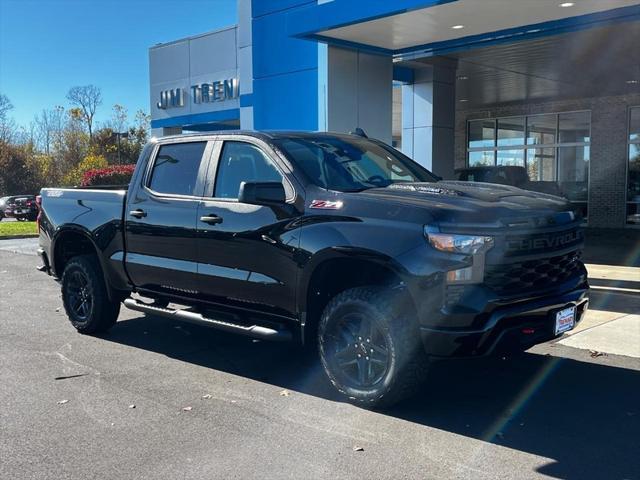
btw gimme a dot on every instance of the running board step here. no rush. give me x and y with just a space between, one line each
254 331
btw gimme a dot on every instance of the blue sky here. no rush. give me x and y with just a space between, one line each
48 46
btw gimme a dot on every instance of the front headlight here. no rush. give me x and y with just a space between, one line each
464 244
474 245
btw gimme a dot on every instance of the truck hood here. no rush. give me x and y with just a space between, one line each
471 202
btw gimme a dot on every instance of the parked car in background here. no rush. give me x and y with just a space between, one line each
3 202
22 207
508 175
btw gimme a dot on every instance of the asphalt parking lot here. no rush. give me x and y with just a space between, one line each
159 399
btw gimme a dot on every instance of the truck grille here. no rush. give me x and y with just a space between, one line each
532 275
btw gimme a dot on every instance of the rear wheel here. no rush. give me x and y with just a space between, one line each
85 298
369 347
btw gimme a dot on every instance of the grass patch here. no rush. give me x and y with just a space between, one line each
8 229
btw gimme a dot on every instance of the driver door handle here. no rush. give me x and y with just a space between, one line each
211 219
139 213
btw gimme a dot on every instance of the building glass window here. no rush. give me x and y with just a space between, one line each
574 127
541 129
633 168
573 175
634 124
551 147
510 131
541 164
482 158
511 158
482 133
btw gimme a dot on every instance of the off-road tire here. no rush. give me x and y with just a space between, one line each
101 313
407 365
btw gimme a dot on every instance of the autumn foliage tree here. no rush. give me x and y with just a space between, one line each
62 144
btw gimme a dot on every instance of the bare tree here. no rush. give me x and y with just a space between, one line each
49 125
7 126
87 99
119 118
5 106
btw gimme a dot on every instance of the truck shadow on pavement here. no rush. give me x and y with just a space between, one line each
583 416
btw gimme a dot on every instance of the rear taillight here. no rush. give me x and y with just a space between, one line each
39 205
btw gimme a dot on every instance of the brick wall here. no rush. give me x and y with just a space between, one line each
608 152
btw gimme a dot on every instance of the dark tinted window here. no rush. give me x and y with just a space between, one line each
242 162
175 170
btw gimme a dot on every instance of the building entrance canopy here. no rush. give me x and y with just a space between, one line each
404 27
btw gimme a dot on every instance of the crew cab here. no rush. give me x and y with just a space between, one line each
332 240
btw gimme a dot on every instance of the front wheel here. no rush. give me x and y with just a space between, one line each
369 347
85 297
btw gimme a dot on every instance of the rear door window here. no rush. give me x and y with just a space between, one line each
175 169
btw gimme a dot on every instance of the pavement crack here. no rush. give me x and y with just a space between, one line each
65 377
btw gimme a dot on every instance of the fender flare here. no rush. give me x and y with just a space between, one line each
342 252
84 232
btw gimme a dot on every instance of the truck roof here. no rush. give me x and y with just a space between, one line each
264 135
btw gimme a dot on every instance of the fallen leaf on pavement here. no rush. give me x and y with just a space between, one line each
285 393
207 396
595 354
186 409
357 448
62 402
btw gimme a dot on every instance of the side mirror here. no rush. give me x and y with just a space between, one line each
262 193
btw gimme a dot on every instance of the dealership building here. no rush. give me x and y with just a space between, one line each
549 85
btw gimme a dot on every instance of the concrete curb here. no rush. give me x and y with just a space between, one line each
17 237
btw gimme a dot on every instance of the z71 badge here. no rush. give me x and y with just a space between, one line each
326 204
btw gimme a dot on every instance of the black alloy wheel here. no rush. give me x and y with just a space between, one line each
358 350
85 297
80 295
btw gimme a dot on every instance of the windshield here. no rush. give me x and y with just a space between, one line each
351 164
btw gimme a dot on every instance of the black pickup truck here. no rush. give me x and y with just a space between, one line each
327 239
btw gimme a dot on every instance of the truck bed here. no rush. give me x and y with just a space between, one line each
97 214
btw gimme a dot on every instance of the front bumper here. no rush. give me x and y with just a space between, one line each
503 328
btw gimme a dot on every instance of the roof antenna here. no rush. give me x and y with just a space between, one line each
359 132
